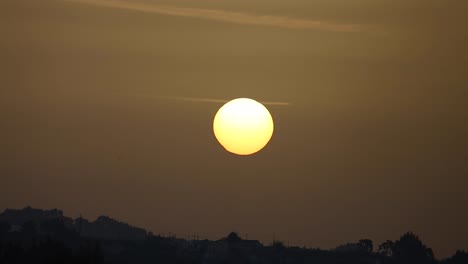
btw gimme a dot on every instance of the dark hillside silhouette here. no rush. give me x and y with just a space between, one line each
46 236
44 221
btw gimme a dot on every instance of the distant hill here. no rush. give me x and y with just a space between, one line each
18 217
103 227
107 228
31 235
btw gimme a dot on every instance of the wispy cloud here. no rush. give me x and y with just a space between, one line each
226 16
212 100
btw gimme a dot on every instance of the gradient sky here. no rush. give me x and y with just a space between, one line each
372 144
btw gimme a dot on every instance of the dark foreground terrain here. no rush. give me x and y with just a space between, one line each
47 236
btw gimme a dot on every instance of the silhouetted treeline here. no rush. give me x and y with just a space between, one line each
54 240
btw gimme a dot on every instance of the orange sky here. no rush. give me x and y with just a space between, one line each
372 142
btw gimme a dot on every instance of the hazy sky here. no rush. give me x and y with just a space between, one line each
372 144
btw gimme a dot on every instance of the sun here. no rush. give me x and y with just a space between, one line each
243 126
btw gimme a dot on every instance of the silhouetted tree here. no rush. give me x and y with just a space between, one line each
460 257
367 244
410 249
387 248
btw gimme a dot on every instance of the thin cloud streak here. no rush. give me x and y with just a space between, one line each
226 16
212 100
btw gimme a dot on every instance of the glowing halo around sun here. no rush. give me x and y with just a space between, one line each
243 126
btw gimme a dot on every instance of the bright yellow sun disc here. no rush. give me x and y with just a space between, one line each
243 126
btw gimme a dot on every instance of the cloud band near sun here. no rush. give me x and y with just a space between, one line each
226 16
213 100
